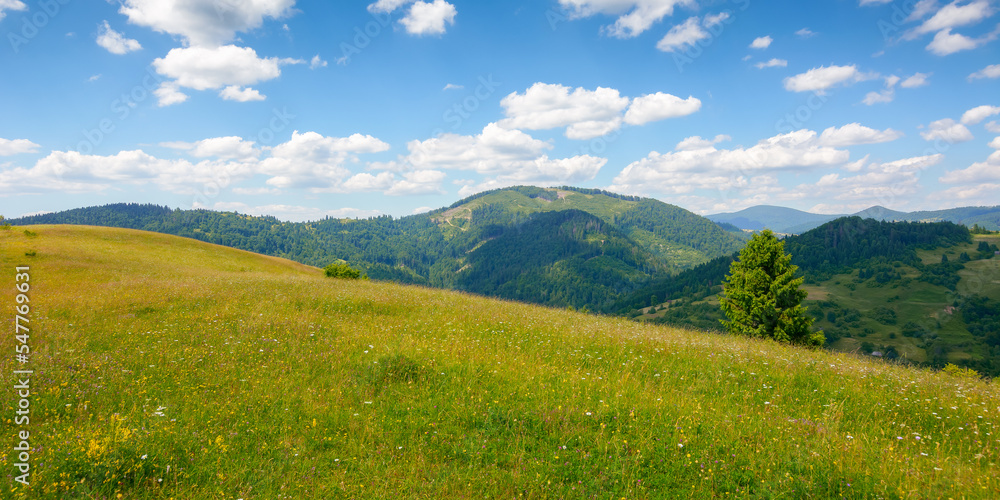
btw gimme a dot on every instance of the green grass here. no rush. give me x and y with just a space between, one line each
168 368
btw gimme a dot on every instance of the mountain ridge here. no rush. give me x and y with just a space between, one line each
792 221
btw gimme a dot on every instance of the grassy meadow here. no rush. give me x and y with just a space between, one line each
169 368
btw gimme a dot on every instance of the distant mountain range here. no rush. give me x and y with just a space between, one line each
791 221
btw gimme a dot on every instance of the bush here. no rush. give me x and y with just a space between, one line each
958 371
342 270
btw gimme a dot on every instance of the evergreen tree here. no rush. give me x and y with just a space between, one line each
761 296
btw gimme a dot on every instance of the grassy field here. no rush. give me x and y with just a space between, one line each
168 368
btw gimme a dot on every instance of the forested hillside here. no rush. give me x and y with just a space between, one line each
922 292
504 243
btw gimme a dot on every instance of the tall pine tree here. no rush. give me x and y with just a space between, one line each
761 296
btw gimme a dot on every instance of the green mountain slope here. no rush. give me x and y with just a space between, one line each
169 368
925 292
443 248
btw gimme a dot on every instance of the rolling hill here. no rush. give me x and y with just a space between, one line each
166 367
621 242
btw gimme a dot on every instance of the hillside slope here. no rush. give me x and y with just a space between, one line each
169 368
440 248
925 292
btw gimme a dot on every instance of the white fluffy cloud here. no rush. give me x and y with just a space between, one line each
10 147
588 113
506 156
72 172
292 213
854 133
991 71
317 62
168 94
698 164
228 67
947 18
422 18
978 173
635 16
429 18
978 114
225 148
234 93
952 16
659 106
689 33
880 183
204 22
761 42
6 5
947 130
917 80
115 42
773 63
316 162
824 77
946 43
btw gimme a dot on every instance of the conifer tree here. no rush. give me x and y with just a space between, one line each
761 296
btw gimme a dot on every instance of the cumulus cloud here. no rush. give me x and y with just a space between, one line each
947 130
168 93
991 71
10 147
312 161
225 148
805 33
853 134
291 213
689 33
773 63
15 5
588 113
635 16
115 42
422 18
73 172
660 106
946 43
824 77
952 16
229 68
506 156
317 62
978 114
698 164
761 42
307 161
208 23
585 113
978 173
235 93
886 95
879 183
917 80
429 18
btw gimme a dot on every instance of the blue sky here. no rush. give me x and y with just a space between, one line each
307 109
